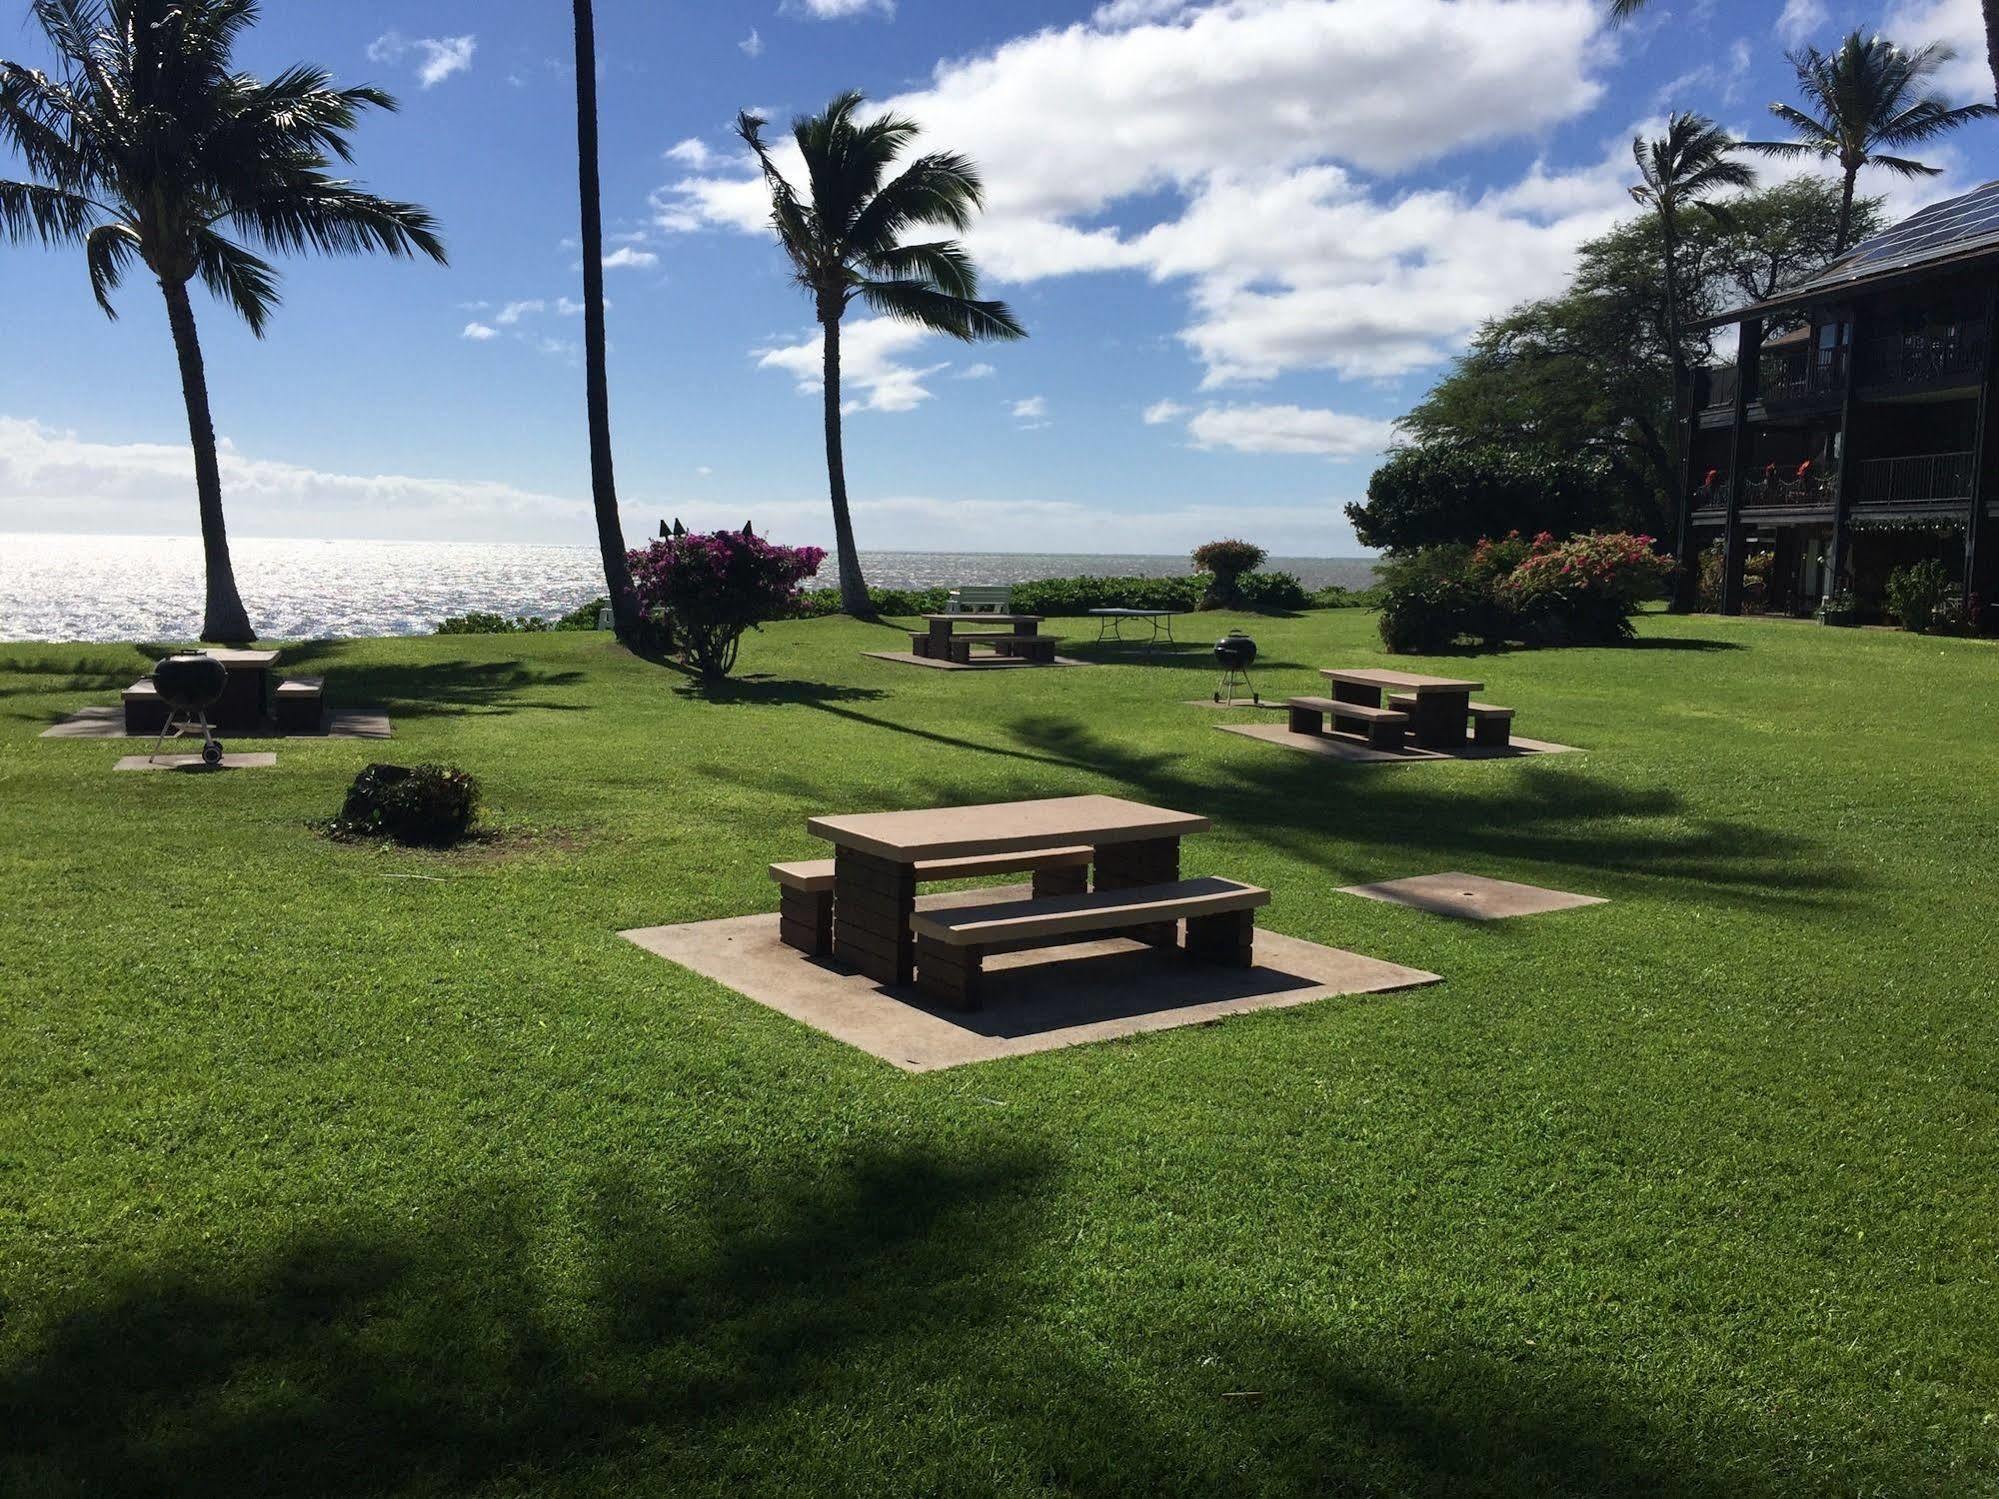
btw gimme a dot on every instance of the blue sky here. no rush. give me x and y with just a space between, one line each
1244 237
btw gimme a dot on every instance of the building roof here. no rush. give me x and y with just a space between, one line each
1946 234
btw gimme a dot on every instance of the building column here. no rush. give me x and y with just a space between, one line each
1981 545
1748 386
1687 582
1843 486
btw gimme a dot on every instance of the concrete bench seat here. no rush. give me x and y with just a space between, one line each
1383 728
805 914
1491 724
145 711
301 705
952 945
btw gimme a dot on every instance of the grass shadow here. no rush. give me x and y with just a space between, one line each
455 688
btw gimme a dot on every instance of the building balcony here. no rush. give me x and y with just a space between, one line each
1802 375
1813 492
1924 479
1939 357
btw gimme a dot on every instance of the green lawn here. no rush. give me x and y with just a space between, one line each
333 1170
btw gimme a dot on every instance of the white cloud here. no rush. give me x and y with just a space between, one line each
438 57
835 10
692 152
568 308
1799 19
976 372
147 486
1270 122
1031 413
479 332
1288 429
630 258
1958 23
752 45
872 361
513 312
1161 412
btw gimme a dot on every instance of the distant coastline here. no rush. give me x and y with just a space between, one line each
107 588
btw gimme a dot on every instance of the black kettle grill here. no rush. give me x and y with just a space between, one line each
190 685
1234 653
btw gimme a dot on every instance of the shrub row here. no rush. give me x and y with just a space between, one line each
1582 591
583 617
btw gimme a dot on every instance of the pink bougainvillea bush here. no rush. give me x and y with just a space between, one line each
1582 591
704 591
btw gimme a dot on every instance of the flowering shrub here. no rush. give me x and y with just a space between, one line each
1225 562
707 590
1582 591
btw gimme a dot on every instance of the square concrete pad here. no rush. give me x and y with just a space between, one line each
1345 747
109 723
1041 1000
193 762
977 663
1472 896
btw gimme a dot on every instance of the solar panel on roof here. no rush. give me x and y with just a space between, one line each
1946 228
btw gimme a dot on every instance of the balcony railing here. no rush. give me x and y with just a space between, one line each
1946 354
1712 496
1803 375
1928 478
1811 492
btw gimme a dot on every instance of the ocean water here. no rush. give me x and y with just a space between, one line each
150 587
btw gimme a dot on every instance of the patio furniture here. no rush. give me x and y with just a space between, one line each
301 705
1441 707
1492 725
876 859
952 944
245 705
1383 728
805 900
1017 638
1110 624
980 599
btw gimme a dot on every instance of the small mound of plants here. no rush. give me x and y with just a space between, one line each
424 806
1543 592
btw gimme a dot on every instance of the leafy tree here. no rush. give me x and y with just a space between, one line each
596 374
1866 98
1680 173
152 146
1431 494
1780 235
846 243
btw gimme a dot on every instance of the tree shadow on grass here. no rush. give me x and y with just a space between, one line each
386 1358
433 688
761 688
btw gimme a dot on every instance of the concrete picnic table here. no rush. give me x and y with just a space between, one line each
943 626
1442 703
875 855
1111 621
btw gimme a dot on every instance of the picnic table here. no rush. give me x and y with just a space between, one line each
946 636
1442 704
1110 623
875 855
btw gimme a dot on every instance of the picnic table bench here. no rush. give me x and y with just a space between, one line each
880 857
1437 707
943 637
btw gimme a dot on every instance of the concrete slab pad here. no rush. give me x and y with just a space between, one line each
1341 747
109 723
977 663
1472 897
1036 1001
194 763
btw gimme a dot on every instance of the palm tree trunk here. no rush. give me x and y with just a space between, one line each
223 617
1846 206
597 385
853 587
1992 42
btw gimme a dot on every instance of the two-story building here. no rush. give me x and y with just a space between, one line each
1853 434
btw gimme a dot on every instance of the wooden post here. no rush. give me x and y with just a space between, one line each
1687 585
1748 378
1843 484
1981 547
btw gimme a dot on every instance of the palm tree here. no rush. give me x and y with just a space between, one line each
1867 96
1678 173
152 146
596 376
846 244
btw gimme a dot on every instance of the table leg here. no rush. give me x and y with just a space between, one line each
940 639
873 899
1150 861
1438 720
1354 692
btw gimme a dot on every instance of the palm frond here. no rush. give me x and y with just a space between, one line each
1902 166
788 215
108 252
960 317
34 210
235 276
942 188
943 264
311 212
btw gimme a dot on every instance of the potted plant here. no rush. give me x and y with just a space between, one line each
1837 608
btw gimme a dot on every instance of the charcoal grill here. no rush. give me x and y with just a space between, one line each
190 685
1234 653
